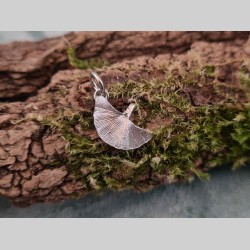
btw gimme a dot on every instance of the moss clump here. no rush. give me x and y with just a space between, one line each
84 64
195 138
244 75
209 70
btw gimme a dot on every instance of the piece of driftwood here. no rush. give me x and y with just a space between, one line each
49 149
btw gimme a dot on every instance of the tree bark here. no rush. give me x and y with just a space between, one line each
37 82
25 67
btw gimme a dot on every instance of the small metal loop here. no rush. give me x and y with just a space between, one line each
96 80
106 94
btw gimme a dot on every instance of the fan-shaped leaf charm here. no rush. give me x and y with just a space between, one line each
115 128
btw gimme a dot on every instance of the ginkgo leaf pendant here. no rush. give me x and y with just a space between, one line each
113 126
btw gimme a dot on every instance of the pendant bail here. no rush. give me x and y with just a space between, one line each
98 85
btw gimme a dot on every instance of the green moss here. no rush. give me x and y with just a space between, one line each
244 77
209 70
196 139
84 64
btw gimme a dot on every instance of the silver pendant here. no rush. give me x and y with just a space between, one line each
113 126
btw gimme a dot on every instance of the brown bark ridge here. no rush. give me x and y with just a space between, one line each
25 67
40 72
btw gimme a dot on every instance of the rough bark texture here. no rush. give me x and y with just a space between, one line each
32 75
26 67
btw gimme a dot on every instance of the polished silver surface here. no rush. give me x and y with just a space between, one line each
98 85
115 128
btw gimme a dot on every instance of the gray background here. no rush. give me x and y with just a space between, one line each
225 195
